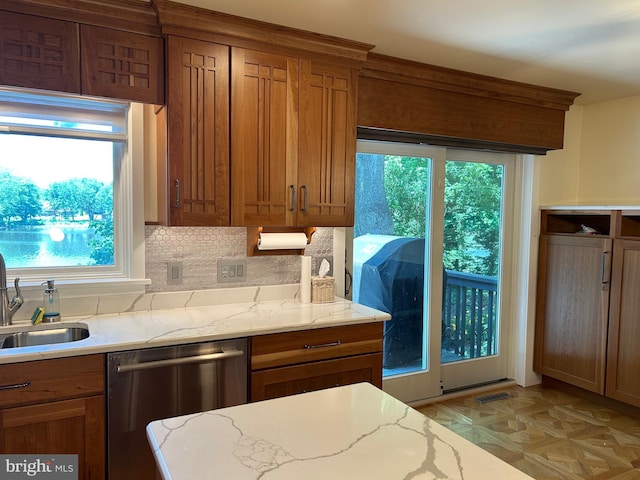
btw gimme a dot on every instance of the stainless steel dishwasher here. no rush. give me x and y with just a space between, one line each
155 383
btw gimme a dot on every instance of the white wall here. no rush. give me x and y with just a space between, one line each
609 165
559 169
600 164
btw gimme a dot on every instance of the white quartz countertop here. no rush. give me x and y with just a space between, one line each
188 324
351 432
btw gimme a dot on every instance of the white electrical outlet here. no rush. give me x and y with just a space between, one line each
232 271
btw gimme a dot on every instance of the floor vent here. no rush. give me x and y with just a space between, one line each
493 397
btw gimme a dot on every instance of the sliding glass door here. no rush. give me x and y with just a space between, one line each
428 248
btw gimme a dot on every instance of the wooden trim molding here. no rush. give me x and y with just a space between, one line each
185 20
135 16
405 96
440 78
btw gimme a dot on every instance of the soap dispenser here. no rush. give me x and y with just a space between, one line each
50 303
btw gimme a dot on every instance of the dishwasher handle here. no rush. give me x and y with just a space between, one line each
171 362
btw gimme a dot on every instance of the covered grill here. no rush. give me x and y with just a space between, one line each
388 275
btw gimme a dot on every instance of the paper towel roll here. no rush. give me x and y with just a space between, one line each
305 279
282 241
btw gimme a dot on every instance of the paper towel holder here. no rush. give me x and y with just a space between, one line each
253 235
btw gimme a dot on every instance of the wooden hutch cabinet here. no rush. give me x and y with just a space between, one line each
588 320
623 354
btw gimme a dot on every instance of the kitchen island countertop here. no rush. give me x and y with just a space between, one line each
350 432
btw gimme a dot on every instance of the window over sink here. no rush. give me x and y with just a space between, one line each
66 202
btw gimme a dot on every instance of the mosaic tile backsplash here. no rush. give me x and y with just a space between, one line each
200 248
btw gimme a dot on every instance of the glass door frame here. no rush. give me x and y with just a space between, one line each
478 371
437 378
425 383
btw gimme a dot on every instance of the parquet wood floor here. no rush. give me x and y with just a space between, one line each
547 433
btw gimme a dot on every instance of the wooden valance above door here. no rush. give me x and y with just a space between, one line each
406 97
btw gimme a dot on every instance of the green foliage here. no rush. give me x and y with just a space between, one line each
20 199
405 182
102 244
23 202
473 197
80 196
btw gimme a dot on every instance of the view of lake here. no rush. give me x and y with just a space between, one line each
47 246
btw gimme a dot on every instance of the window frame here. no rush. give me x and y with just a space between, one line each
126 275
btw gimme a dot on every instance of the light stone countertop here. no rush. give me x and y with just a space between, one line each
199 316
350 432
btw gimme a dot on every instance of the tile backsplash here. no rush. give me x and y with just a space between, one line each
200 248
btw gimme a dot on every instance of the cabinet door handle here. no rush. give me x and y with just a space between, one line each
604 278
292 190
322 345
304 197
15 385
176 182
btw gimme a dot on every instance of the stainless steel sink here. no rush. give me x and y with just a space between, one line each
45 335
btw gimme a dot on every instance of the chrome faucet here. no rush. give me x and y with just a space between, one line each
8 307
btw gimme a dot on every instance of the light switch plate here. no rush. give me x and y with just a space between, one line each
174 273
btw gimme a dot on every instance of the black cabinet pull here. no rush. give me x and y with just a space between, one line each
15 385
292 189
322 345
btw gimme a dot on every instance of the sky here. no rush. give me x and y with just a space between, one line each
48 160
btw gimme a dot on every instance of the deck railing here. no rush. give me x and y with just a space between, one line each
469 314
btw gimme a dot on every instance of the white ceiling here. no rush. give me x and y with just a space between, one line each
586 46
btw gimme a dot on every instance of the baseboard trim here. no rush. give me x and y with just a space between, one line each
464 393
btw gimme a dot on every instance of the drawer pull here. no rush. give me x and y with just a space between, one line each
15 385
322 345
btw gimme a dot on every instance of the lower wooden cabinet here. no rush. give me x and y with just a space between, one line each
297 362
279 382
69 426
55 407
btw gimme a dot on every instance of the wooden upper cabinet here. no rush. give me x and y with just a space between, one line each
37 52
264 138
120 64
50 54
198 132
326 166
293 141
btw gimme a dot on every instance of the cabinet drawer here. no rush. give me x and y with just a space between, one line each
280 349
46 380
279 382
